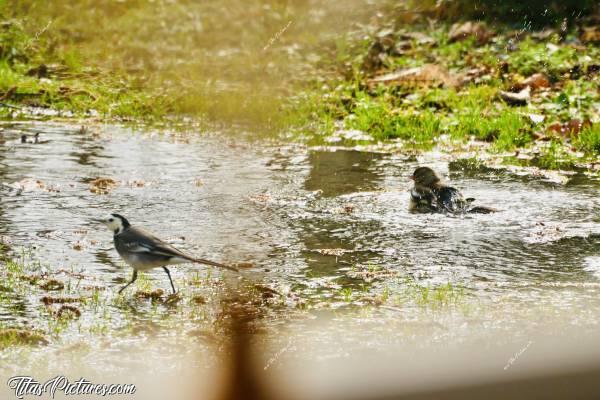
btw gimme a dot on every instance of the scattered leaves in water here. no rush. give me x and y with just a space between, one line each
52 284
198 299
154 295
136 183
47 300
31 185
333 252
102 185
158 296
368 273
172 299
31 279
68 312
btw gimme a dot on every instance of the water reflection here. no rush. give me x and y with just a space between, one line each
340 172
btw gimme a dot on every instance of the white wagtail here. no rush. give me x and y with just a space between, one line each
143 251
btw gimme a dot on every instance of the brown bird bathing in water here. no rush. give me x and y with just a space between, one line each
431 194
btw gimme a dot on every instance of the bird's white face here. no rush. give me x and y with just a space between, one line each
113 223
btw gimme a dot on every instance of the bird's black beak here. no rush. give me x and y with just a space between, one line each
98 220
412 178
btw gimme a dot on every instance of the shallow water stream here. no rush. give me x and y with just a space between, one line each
329 230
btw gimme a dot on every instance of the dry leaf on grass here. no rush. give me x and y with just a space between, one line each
426 75
571 127
590 34
418 37
535 82
470 29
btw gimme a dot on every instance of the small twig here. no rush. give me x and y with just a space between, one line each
276 37
38 34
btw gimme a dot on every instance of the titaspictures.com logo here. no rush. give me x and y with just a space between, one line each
27 386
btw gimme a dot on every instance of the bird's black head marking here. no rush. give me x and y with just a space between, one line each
124 221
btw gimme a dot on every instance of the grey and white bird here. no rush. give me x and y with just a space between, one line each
142 251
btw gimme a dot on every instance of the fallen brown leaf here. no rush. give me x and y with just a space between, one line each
145 294
67 311
47 300
469 29
535 82
571 127
426 75
418 37
52 284
590 34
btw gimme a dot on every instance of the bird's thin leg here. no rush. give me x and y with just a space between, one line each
171 280
131 281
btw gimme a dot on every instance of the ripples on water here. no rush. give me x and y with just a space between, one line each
279 207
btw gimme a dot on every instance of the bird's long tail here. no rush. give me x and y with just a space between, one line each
481 210
214 264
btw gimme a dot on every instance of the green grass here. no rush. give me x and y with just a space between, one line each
147 61
589 139
534 57
419 114
432 296
554 156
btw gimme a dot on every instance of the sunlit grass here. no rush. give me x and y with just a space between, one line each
554 156
434 297
150 60
421 115
589 139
